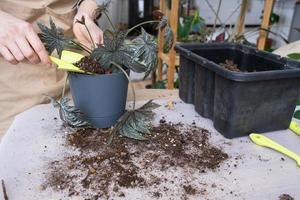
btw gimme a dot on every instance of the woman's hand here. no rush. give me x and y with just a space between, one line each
87 10
19 42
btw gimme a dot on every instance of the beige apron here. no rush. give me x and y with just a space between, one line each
22 86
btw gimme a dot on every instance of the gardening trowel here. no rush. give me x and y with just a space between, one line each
267 142
295 127
67 60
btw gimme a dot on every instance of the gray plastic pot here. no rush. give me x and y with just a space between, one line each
101 98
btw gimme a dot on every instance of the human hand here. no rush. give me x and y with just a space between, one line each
87 10
19 41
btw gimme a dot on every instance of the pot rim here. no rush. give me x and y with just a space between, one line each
94 75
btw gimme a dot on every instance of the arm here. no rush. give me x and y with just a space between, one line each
19 42
87 9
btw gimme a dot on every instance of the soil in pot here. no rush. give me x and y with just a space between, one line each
103 171
91 65
230 65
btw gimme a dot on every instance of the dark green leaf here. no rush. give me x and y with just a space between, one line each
115 50
185 28
295 56
149 106
54 39
70 115
145 50
298 102
297 114
135 123
168 39
159 85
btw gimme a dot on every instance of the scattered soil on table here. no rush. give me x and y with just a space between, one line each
189 189
100 170
285 197
230 65
91 65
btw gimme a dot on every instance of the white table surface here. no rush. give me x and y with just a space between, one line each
259 175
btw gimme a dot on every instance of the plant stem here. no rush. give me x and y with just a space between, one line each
82 47
217 15
65 85
132 88
93 42
4 190
112 25
143 23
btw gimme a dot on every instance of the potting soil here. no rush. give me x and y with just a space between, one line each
90 65
102 170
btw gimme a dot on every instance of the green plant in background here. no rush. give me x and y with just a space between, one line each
162 84
117 54
296 56
274 18
192 28
297 113
184 27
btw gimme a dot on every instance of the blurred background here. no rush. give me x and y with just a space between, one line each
212 21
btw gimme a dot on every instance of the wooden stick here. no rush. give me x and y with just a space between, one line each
241 20
4 190
162 7
263 35
172 53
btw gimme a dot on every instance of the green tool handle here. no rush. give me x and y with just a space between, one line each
267 142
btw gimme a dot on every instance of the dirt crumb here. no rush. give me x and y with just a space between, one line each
190 190
285 197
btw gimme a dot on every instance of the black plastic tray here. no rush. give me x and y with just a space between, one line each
239 103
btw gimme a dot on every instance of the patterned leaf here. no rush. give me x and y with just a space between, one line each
163 22
133 124
169 39
70 115
54 39
115 50
146 50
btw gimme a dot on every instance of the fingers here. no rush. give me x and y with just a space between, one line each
101 38
27 50
83 36
37 45
79 34
7 55
97 35
15 50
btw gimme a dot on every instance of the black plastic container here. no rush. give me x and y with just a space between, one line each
239 103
